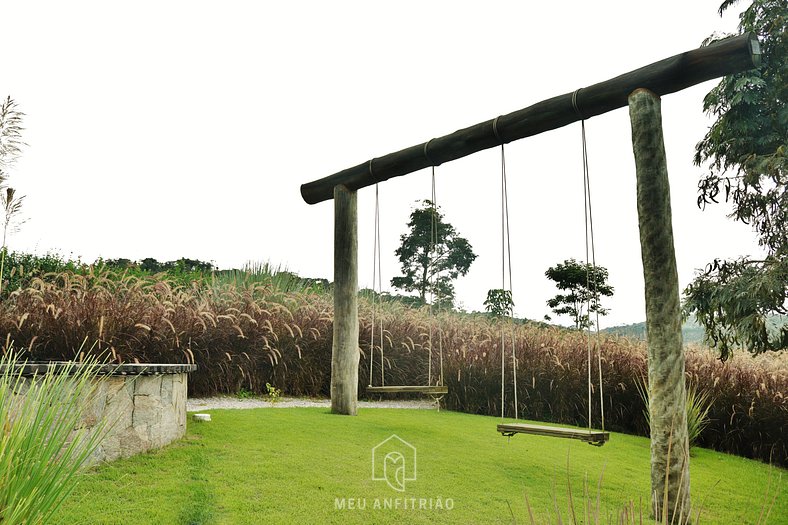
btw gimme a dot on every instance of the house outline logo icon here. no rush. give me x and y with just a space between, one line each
394 461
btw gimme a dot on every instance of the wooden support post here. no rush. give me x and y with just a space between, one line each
345 352
667 394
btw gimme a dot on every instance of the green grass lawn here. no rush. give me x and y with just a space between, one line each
297 465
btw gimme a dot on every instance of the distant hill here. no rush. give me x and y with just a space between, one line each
692 331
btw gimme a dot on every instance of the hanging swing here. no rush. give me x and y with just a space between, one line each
589 435
436 390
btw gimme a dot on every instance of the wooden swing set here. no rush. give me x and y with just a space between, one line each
589 435
641 90
438 389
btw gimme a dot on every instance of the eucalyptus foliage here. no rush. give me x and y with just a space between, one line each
745 150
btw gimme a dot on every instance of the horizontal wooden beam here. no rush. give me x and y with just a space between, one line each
672 74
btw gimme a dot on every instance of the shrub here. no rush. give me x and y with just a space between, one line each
698 405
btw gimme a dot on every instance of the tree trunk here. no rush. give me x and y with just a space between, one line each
345 352
670 482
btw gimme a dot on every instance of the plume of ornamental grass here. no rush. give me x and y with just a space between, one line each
245 335
747 397
42 442
239 337
10 135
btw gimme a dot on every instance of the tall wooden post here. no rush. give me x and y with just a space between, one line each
345 352
667 395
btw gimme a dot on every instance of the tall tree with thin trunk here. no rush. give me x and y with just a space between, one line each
583 286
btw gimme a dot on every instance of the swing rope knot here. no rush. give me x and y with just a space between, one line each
427 154
495 130
372 172
575 106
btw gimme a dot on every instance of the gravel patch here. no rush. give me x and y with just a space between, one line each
228 402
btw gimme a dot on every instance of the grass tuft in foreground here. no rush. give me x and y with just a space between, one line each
40 450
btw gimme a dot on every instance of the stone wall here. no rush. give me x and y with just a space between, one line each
144 407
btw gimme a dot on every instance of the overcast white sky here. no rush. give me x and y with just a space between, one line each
173 129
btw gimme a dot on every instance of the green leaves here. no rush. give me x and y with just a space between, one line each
585 284
745 147
745 152
739 303
499 302
699 403
432 255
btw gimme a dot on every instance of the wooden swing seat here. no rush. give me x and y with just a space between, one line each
592 437
411 389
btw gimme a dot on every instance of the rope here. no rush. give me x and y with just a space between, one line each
380 285
503 271
495 130
590 248
377 291
596 294
376 276
589 228
506 254
433 237
427 153
575 106
588 275
511 292
505 187
433 242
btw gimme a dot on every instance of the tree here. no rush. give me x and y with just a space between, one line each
149 264
499 302
432 255
584 284
195 265
745 150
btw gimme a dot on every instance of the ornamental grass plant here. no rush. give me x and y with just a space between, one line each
43 443
243 334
